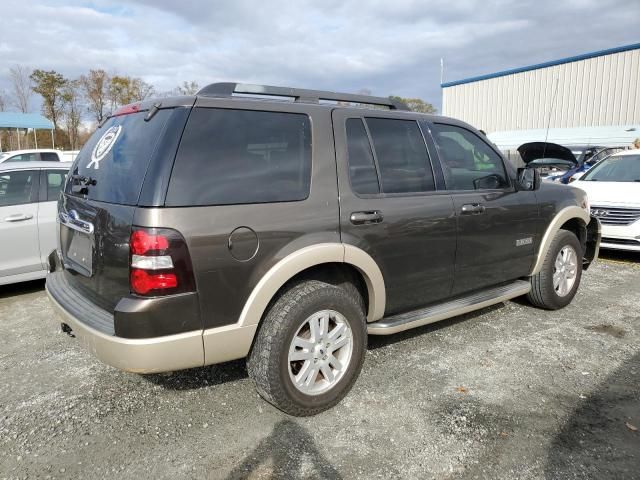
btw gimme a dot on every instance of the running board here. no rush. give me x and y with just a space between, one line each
453 308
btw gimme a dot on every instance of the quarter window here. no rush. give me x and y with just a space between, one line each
362 169
49 157
242 156
16 187
468 162
402 156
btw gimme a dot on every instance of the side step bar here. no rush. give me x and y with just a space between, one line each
442 311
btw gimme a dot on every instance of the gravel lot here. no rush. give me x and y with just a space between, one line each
507 392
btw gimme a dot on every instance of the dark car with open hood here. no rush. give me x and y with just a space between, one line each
286 225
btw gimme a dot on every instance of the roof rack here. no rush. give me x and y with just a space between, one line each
227 89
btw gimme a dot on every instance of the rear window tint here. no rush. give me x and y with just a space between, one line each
242 156
117 156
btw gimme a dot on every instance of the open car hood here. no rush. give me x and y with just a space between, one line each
544 154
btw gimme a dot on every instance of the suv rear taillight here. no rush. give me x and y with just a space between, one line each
160 262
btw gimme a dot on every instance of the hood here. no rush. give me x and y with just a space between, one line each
610 193
544 154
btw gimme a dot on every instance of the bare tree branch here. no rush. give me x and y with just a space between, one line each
22 87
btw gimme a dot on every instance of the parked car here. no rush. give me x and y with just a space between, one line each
550 159
28 208
37 155
201 229
613 187
587 158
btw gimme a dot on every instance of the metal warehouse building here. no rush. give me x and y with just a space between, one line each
595 89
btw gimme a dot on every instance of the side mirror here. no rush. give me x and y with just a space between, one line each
528 179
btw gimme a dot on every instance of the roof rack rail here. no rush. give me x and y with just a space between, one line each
227 89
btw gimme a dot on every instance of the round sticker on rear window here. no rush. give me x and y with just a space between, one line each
104 146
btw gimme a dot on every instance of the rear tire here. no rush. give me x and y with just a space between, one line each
557 282
310 348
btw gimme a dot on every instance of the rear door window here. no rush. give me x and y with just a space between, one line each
24 157
242 156
117 156
402 156
17 188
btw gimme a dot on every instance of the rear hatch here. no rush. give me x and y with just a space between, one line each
102 192
548 158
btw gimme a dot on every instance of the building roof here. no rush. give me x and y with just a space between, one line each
609 136
537 66
24 120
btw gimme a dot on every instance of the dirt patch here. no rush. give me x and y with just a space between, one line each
608 329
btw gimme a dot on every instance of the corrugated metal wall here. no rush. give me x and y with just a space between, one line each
598 91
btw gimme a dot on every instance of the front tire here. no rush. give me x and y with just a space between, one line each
557 282
310 348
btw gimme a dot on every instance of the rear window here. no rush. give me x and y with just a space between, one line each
242 156
117 156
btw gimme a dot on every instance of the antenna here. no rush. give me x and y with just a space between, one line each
553 102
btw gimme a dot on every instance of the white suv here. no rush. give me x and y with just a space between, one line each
613 187
36 155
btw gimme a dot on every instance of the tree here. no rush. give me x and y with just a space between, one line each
50 85
416 104
96 87
3 102
188 88
71 96
22 87
124 90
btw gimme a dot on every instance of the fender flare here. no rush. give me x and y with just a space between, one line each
311 256
560 219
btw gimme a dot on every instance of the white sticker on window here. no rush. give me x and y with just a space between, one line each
104 146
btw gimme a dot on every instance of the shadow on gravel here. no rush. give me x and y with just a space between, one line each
378 341
288 452
22 288
619 255
598 440
200 377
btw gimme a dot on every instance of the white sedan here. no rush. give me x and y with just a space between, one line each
613 187
28 196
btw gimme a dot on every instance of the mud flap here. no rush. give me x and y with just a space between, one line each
592 249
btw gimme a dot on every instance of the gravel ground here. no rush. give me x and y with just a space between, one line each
507 392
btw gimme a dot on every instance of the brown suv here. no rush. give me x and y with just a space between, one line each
286 225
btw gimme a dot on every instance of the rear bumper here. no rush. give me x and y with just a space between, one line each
93 327
140 355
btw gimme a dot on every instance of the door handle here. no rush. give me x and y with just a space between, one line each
18 217
472 209
363 218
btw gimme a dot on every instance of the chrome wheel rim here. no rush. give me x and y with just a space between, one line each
320 352
565 270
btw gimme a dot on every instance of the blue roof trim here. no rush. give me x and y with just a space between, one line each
24 120
537 66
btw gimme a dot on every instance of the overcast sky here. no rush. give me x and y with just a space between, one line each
386 46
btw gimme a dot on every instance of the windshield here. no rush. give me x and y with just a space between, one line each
621 168
113 163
